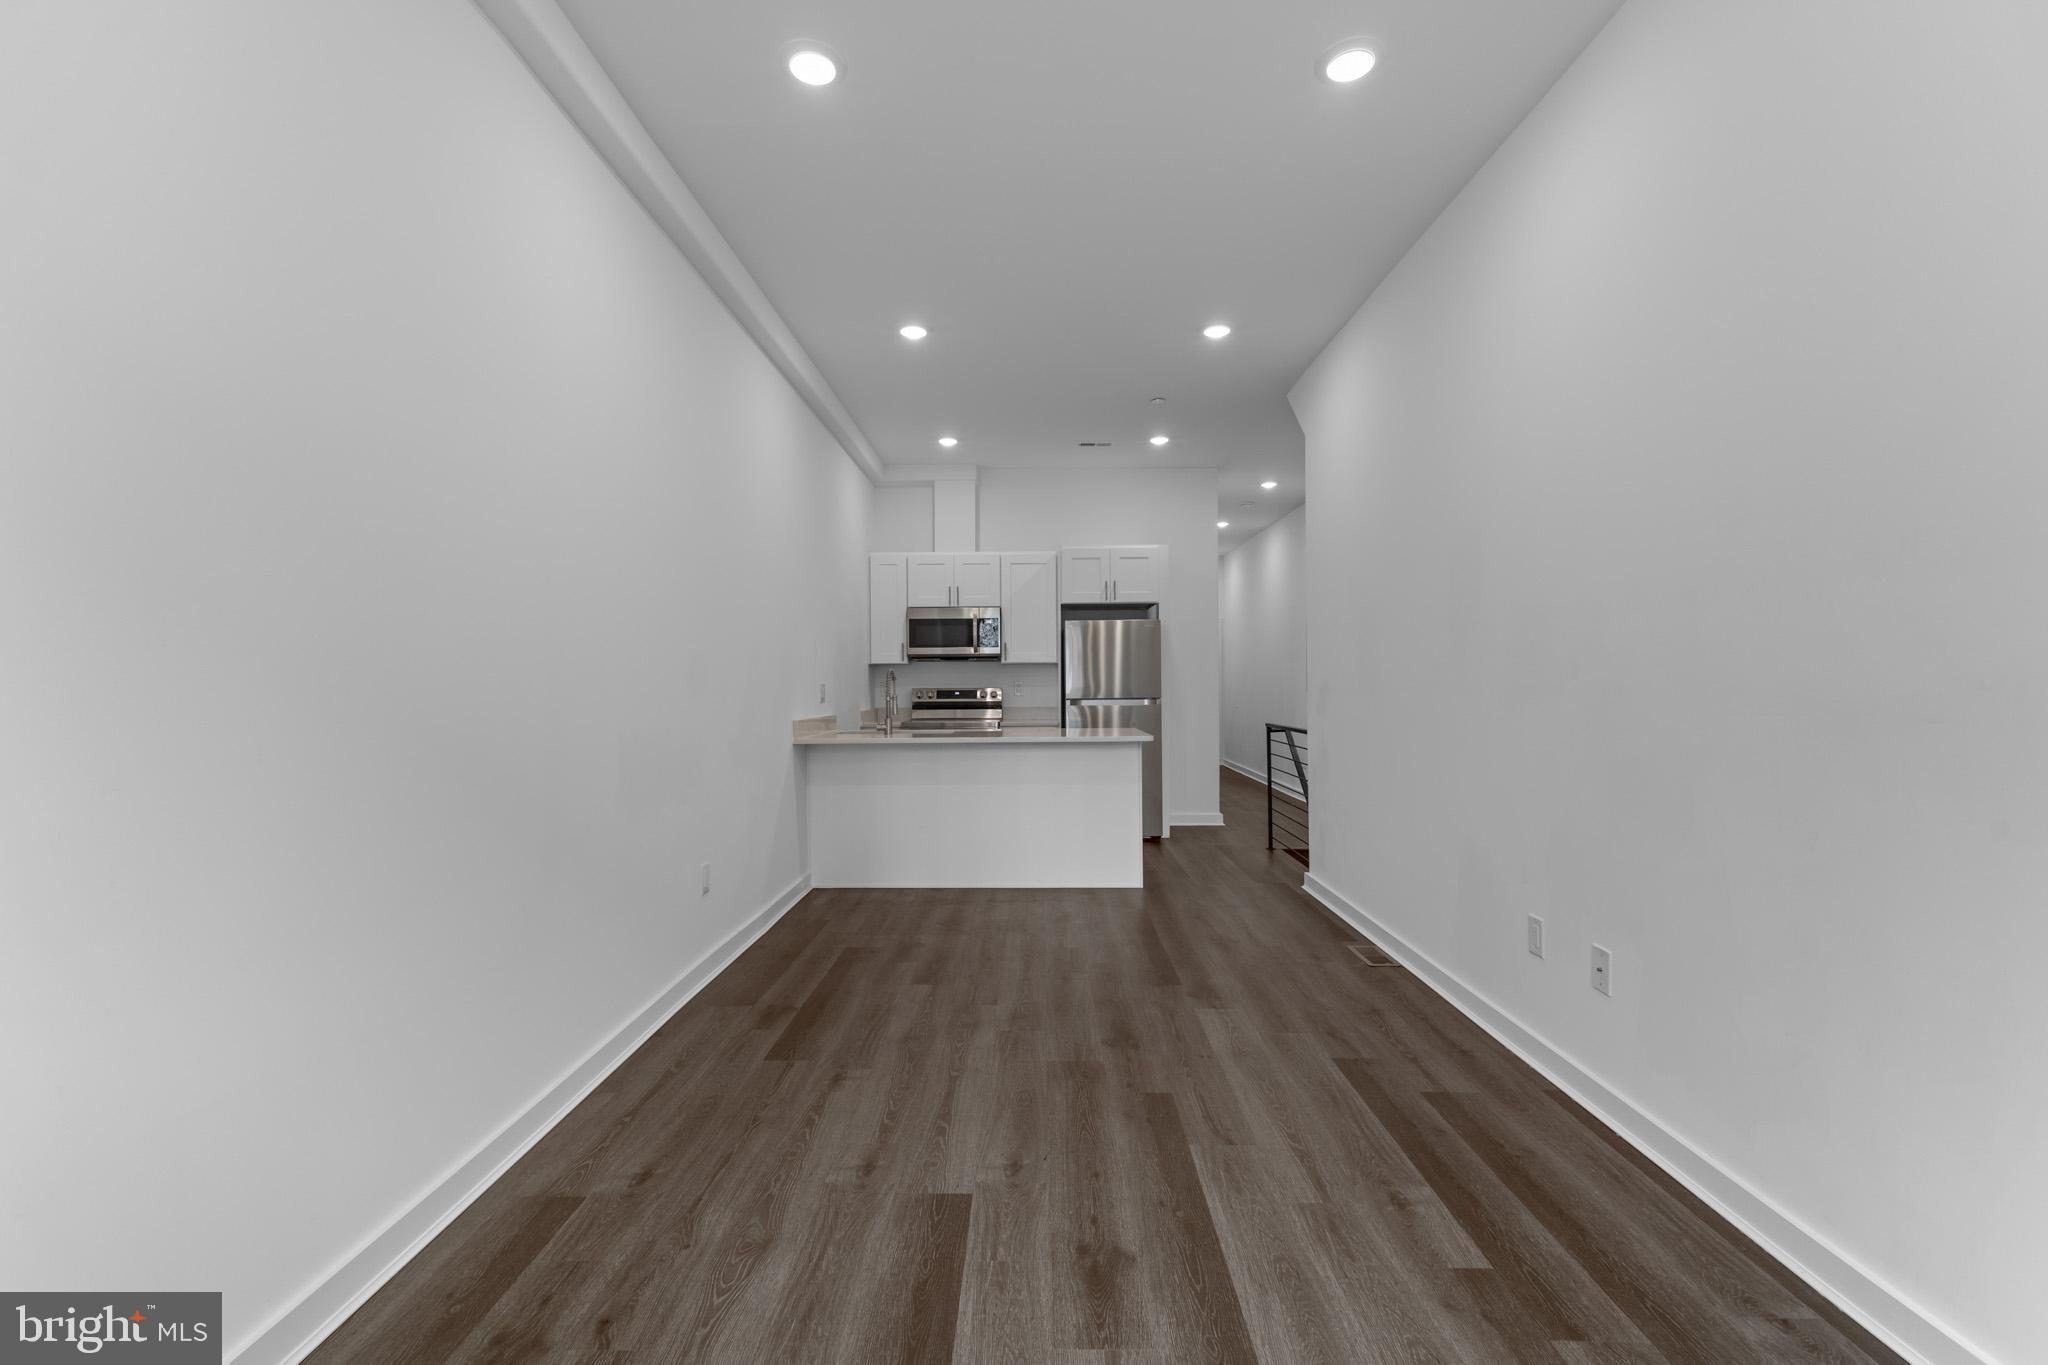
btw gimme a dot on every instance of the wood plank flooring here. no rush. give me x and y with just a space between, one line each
1184 1124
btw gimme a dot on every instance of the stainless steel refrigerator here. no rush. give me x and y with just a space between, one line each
1111 675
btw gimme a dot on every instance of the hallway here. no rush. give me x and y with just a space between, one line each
1189 1123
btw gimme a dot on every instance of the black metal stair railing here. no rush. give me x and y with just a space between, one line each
1287 789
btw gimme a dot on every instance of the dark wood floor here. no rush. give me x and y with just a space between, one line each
1179 1125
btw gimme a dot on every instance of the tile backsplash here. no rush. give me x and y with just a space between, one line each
1026 687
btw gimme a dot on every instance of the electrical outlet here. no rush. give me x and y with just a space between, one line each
1535 936
1602 971
821 694
707 881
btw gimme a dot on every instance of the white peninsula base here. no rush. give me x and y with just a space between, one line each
1034 808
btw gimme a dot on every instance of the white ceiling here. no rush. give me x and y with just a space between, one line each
1065 192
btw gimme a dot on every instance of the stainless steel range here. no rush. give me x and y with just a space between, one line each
955 710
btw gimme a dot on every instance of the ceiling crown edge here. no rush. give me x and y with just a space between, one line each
555 52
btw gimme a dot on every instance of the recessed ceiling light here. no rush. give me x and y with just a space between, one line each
1222 525
1270 484
1216 331
813 67
949 441
910 331
1348 63
1160 440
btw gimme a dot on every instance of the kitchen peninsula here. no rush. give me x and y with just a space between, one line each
1028 806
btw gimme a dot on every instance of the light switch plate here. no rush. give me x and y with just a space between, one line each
1603 971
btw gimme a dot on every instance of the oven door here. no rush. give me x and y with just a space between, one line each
954 632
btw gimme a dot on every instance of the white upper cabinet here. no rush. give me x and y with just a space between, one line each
931 580
1137 573
888 597
977 581
1084 575
1028 585
973 580
1031 608
1113 573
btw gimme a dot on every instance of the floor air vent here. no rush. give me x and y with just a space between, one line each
1369 953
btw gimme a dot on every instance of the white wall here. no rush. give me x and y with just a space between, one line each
1025 509
375 482
1676 569
1263 586
900 520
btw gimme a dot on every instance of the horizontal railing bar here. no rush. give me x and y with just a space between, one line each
1287 799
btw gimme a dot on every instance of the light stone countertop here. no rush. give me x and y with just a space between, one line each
1010 734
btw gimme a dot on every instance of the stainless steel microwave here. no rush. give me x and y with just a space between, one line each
954 633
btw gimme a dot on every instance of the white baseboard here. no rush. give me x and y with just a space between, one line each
1259 778
1237 767
1893 1318
292 1334
1195 817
